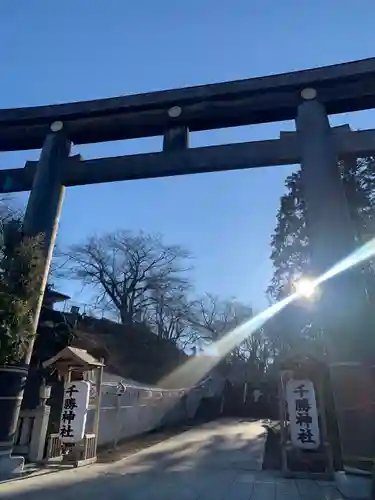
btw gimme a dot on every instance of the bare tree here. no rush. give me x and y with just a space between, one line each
255 353
213 317
130 274
9 211
168 311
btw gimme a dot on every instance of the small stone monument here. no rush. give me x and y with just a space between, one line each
305 447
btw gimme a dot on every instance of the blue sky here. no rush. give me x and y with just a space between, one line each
85 49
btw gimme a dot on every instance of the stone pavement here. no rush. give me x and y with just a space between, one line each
218 461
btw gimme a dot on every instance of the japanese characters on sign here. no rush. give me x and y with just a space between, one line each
74 411
303 415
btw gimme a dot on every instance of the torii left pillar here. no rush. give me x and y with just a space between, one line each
41 218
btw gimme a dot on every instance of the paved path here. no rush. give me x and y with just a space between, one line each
218 461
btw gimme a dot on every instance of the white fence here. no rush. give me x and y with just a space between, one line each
141 409
135 410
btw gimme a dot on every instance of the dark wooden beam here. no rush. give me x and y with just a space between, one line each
283 151
341 88
163 164
190 161
176 139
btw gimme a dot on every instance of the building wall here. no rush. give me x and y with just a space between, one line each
141 409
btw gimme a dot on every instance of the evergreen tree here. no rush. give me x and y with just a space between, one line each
20 269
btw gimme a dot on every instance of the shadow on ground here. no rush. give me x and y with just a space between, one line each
129 446
192 467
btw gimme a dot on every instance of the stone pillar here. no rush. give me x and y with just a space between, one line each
45 204
41 217
343 309
39 434
327 207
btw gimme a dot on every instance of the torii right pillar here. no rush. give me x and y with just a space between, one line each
343 310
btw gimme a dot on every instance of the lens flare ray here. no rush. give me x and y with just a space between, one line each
365 252
195 369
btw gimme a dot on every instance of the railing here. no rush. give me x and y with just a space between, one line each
89 449
71 306
84 453
54 448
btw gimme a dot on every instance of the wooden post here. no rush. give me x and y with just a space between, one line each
324 429
99 382
244 397
283 429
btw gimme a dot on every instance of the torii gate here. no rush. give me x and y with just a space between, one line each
307 96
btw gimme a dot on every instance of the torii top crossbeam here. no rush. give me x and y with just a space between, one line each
341 88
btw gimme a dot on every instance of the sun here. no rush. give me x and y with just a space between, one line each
306 288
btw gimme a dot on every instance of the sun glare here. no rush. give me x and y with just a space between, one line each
193 370
306 288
